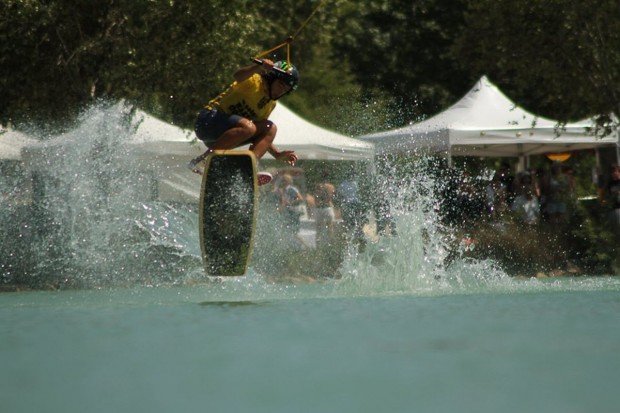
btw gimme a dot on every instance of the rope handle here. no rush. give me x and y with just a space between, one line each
289 40
286 43
275 69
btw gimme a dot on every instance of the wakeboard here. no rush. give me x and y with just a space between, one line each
227 212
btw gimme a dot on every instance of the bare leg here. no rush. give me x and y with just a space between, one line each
265 134
236 136
263 131
230 139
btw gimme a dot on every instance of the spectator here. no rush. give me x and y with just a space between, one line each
557 191
507 180
324 212
292 204
469 202
612 197
496 196
524 183
273 195
353 214
448 185
526 206
310 201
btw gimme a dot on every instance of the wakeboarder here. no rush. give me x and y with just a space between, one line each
240 115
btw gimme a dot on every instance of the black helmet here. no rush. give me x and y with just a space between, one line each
286 72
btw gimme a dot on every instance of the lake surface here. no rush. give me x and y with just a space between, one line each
235 346
410 324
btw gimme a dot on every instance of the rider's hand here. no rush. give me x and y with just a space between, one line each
267 64
287 156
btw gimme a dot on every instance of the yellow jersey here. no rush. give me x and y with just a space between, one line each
249 98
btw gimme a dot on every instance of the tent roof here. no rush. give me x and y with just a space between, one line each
155 138
486 123
152 130
313 142
294 133
12 142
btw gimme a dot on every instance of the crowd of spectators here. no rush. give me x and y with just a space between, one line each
532 197
543 196
611 197
328 205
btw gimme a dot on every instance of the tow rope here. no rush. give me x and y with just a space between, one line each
289 39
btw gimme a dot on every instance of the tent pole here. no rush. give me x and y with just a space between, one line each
521 163
597 174
617 146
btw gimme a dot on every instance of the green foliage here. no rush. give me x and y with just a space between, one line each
403 47
583 245
558 58
330 97
591 242
165 55
366 65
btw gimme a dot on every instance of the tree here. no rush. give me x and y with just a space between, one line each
559 58
59 55
404 48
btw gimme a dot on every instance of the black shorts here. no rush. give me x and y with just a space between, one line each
211 124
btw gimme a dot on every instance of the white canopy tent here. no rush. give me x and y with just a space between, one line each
309 141
486 123
313 142
15 188
154 137
173 147
163 150
11 144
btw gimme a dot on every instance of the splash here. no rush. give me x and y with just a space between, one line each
421 255
90 218
95 221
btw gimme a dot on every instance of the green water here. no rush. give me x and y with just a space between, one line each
525 346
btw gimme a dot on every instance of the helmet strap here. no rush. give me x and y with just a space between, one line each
270 81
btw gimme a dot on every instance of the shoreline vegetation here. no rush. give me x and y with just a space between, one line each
294 279
48 250
44 255
522 253
284 280
364 66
